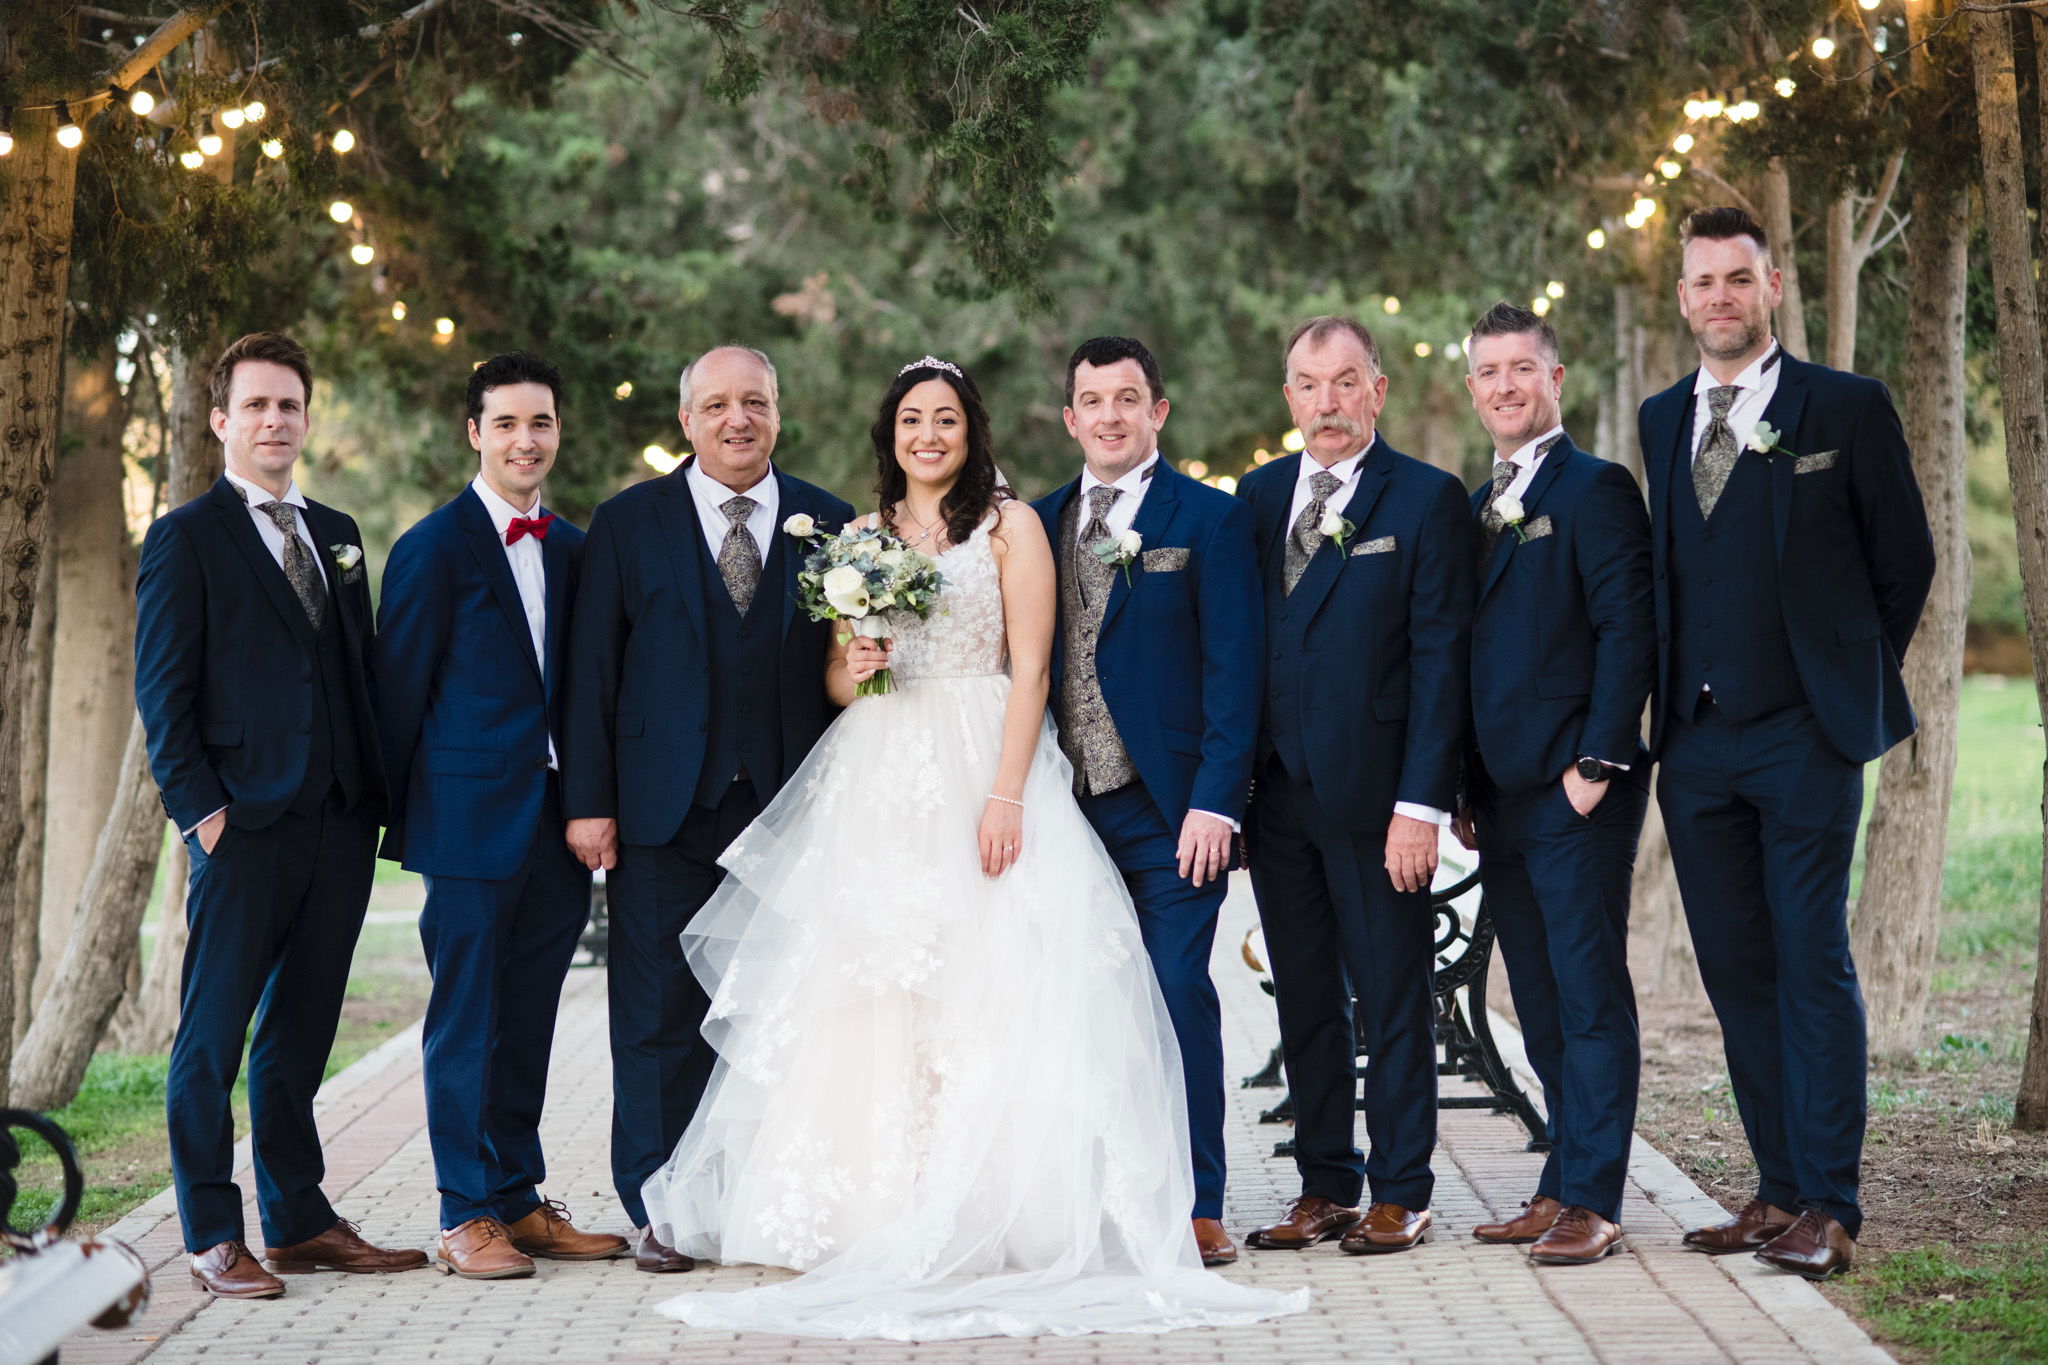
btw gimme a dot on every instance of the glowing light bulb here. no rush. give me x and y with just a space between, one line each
1226 484
6 131
1555 289
624 390
1868 4
1293 442
343 142
191 160
1597 239
1682 143
1711 108
254 111
1423 349
69 134
1392 305
362 253
209 143
1785 86
341 210
231 117
1823 48
1454 350
1693 109
273 148
1750 108
398 311
1669 169
1196 469
659 460
140 103
1539 305
444 326
1646 208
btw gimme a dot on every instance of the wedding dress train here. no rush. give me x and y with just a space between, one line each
953 1103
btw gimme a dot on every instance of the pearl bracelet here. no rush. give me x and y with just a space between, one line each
1006 800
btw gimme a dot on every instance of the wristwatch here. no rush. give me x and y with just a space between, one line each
1593 770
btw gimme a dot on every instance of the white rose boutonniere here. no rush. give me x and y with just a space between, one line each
1119 552
801 525
1512 514
1334 528
1763 438
349 559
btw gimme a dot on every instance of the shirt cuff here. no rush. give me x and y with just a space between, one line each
1618 767
1427 814
1235 827
187 833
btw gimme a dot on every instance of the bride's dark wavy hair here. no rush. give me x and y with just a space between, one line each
977 491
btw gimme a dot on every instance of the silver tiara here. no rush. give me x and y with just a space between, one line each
930 362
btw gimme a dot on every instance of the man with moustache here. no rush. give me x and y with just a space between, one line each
251 635
471 640
696 688
1791 557
1564 652
1155 688
1366 557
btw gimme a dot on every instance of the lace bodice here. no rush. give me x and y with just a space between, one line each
963 637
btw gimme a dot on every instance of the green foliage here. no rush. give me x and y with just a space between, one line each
1990 1309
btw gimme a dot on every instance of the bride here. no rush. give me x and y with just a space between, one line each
947 1089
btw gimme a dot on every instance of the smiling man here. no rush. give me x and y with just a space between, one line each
251 635
1791 557
696 688
472 634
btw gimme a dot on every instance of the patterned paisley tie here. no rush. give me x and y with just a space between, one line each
739 557
1718 450
1504 472
1095 575
1304 540
298 561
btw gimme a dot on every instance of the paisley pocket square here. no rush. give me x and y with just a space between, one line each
1170 560
1537 529
1813 464
1378 545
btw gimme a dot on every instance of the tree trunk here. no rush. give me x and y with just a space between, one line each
1776 200
1843 267
1660 955
2026 426
1628 380
1898 915
93 668
148 1016
35 767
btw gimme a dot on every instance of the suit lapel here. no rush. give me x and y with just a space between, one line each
1506 543
790 500
554 559
1783 412
489 553
1062 566
1328 562
676 510
1269 519
234 515
1155 517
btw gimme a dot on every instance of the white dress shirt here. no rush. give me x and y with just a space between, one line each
273 538
1124 510
1758 383
711 495
1347 470
1529 462
529 571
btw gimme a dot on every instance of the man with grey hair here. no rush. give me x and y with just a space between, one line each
695 690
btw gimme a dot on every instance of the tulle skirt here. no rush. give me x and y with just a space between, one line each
954 1103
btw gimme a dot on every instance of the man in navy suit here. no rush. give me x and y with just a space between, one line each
696 688
472 630
1564 651
1366 557
1791 558
1155 689
251 640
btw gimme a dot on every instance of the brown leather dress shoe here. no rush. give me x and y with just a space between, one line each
1816 1246
1312 1219
1388 1227
547 1232
1532 1222
1755 1226
481 1249
1579 1237
339 1248
228 1271
658 1259
1214 1243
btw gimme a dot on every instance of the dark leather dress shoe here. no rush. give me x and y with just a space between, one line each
340 1248
1214 1243
228 1271
1755 1226
1388 1227
1579 1237
1312 1219
1816 1247
657 1259
1532 1222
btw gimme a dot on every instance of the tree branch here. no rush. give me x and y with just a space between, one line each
159 44
1707 172
1886 185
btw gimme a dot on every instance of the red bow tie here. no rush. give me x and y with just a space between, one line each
537 527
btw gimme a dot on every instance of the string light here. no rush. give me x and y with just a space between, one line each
1226 484
1392 305
1646 208
1596 239
254 111
1670 169
6 131
209 141
190 159
1682 143
231 118
1823 47
444 326
1748 109
1694 109
362 253
1293 442
624 390
398 311
1711 108
69 134
1785 86
1196 469
341 210
1539 305
1453 350
659 460
140 102
1422 349
273 148
1868 4
344 142
1555 289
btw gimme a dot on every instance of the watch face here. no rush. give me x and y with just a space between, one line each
1592 769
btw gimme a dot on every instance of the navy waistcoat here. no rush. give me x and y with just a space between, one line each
1728 621
745 666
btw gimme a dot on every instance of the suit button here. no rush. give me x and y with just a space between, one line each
1663 637
540 762
305 675
1660 575
305 727
703 727
1276 656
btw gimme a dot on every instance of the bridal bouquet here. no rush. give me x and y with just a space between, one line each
857 575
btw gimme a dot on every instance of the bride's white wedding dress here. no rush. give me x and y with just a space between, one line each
954 1103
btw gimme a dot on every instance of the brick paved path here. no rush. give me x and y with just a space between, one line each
1452 1300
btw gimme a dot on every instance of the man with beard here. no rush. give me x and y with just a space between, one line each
1791 558
1366 556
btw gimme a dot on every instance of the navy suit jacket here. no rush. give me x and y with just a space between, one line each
1564 637
1178 654
1855 557
225 661
465 707
637 706
1380 690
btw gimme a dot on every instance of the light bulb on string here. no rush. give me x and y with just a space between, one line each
624 390
254 111
1711 109
1423 349
343 142
1785 86
6 131
1694 109
341 210
69 134
231 117
1749 109
1868 4
362 253
140 101
1597 239
190 159
1392 305
209 141
398 311
273 148
1682 143
1669 169
444 326
1823 47
1646 208
1540 305
1555 289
